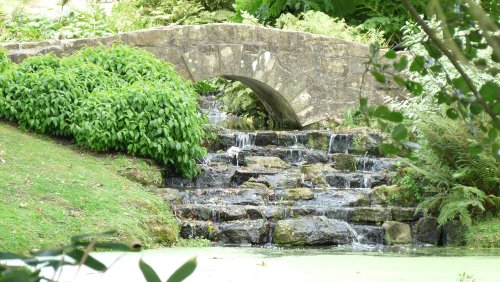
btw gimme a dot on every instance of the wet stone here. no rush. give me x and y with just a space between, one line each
368 234
428 231
397 233
296 194
312 231
196 229
243 231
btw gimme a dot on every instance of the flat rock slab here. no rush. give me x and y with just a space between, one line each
312 231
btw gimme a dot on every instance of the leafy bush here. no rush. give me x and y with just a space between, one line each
320 23
464 184
118 98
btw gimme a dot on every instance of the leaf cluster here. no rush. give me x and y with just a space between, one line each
119 98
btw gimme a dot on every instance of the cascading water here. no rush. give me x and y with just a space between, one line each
330 143
244 140
295 148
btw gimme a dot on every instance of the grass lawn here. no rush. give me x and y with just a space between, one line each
484 234
50 192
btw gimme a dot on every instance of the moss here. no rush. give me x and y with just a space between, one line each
392 195
345 162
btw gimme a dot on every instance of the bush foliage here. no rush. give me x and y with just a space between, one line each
117 98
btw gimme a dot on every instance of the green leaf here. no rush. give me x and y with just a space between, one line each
475 108
78 255
432 50
459 83
402 64
415 88
184 271
476 149
148 272
399 132
378 76
418 64
387 149
452 113
391 54
490 91
384 113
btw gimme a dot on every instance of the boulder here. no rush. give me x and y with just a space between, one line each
397 232
297 194
369 234
196 229
454 233
428 231
243 231
312 231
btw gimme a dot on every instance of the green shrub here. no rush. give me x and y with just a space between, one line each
463 183
119 98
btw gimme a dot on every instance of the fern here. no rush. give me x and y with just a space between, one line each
464 185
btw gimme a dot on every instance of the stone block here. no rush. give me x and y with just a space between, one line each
397 233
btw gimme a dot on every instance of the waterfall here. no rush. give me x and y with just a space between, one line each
367 181
330 143
356 238
295 148
243 140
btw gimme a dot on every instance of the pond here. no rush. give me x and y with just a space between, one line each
327 264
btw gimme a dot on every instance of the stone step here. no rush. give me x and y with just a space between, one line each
285 232
324 140
360 215
320 197
299 155
217 177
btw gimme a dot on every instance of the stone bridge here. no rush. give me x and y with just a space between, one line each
301 77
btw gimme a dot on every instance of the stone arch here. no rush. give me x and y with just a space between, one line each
302 78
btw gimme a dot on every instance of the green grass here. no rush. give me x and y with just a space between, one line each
50 191
484 234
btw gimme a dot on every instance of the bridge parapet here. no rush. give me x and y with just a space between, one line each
301 78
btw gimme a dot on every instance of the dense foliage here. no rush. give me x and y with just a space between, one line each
461 184
320 23
452 75
21 26
118 98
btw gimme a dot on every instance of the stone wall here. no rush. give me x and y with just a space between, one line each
302 78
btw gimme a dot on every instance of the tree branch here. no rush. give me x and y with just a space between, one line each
440 44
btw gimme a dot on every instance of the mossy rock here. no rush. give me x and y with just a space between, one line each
397 233
297 194
365 143
316 174
253 185
317 140
266 162
391 195
345 162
